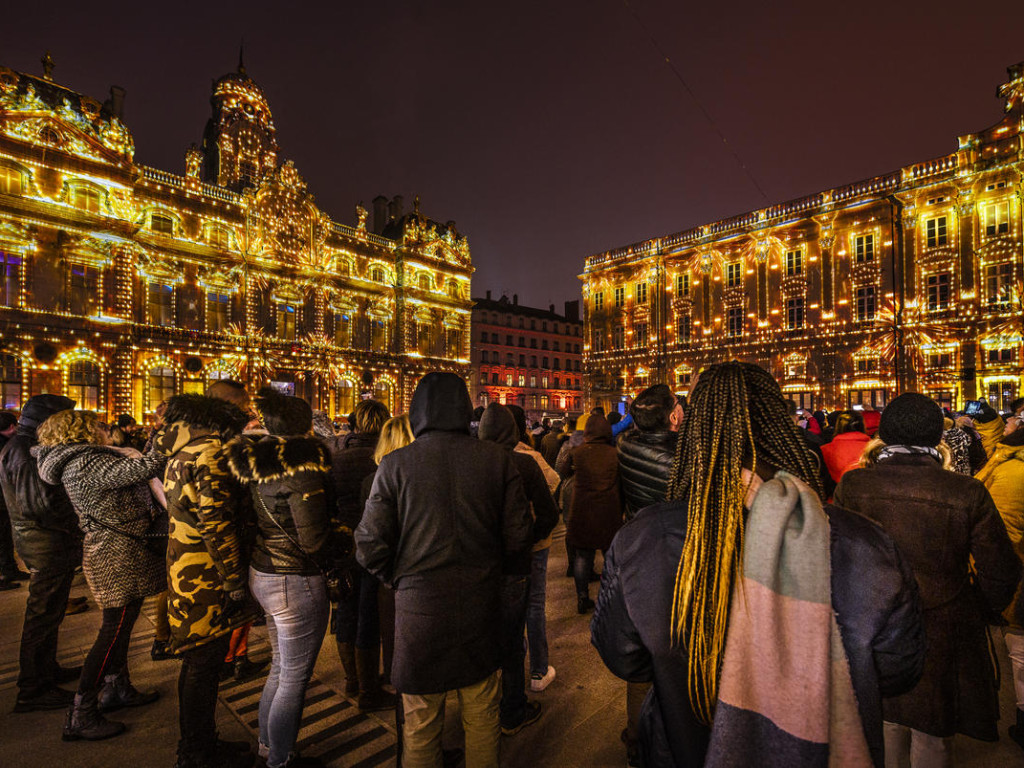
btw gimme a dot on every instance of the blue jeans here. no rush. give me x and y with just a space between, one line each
536 619
297 612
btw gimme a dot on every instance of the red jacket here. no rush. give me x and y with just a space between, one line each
843 452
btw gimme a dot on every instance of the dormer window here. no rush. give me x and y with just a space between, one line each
161 223
85 199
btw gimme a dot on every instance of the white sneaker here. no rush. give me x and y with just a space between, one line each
540 682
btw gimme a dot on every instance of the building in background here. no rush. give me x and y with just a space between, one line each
527 357
907 281
121 285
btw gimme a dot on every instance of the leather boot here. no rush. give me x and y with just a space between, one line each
1017 731
347 654
84 721
372 698
119 692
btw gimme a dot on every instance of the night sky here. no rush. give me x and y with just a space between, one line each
550 130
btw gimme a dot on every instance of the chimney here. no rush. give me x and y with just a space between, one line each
488 295
397 202
515 299
117 101
572 311
380 213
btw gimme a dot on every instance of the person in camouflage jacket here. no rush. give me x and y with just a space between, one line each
207 569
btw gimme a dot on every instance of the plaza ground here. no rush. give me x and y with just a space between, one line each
584 708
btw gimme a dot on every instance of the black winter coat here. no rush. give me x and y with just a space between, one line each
645 461
873 594
351 462
43 520
941 520
444 514
288 479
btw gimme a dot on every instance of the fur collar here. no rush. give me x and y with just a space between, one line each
272 458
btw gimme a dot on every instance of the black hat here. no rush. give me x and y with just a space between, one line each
41 407
911 419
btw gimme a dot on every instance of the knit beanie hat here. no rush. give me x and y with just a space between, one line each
41 407
911 419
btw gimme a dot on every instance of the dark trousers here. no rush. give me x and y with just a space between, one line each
582 570
197 697
109 654
515 594
8 565
358 615
44 611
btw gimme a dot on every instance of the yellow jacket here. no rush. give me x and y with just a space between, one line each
1003 475
991 432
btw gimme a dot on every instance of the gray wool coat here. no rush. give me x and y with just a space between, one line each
108 486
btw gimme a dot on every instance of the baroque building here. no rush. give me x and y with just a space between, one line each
121 284
907 281
527 357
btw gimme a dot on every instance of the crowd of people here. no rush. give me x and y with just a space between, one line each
777 587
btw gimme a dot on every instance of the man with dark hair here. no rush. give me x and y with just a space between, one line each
645 461
206 572
10 574
448 587
49 541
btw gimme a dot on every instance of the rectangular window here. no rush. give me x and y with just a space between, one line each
343 331
938 291
599 301
618 337
160 386
940 360
867 365
684 329
10 279
1005 355
83 289
161 304
641 293
533 380
997 219
84 385
795 314
508 379
219 237
864 248
86 199
998 283
12 181
733 274
935 231
286 321
866 303
640 335
794 263
544 381
597 343
620 296
734 322
683 284
379 330
10 381
159 222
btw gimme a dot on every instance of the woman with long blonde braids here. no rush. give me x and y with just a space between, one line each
737 598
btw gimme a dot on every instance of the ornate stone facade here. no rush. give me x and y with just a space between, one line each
907 281
122 284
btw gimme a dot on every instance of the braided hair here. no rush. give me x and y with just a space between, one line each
736 418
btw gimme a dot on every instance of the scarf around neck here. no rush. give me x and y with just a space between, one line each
909 450
785 691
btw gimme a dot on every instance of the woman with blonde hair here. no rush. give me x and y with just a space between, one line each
115 503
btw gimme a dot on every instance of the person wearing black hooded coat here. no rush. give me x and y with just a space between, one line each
500 425
446 515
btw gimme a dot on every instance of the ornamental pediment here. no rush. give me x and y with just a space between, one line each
288 225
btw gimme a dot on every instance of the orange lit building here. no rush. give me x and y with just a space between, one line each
907 281
527 357
123 284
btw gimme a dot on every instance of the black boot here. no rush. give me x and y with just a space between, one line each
84 721
248 670
584 604
119 692
347 654
372 698
1017 731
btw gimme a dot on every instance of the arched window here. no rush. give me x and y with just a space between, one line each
10 381
377 274
382 393
84 384
346 397
425 282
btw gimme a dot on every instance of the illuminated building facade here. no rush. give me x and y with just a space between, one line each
527 357
121 284
907 281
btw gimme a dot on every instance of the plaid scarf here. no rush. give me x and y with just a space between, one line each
785 693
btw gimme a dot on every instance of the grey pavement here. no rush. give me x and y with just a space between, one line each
583 709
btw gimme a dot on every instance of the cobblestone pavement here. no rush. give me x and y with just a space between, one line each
583 709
